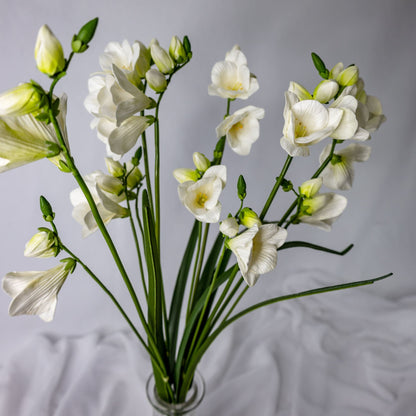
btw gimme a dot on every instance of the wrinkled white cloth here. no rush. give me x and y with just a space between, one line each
348 353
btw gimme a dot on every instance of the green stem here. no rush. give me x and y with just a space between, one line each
314 176
276 187
136 242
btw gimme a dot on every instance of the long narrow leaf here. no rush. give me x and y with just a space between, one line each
178 293
291 244
198 355
193 319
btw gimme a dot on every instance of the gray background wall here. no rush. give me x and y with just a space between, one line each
277 38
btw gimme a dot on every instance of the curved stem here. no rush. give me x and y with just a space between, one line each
276 186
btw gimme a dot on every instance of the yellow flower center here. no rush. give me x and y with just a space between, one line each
237 126
201 198
300 129
236 86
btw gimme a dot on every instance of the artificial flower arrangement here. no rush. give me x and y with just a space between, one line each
124 99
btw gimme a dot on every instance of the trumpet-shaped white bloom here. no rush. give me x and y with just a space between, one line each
348 127
49 54
25 139
320 210
370 113
306 122
115 98
133 60
241 129
339 173
108 203
201 197
256 250
35 293
232 78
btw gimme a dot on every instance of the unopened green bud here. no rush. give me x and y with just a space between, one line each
177 51
287 185
319 65
114 167
187 46
249 218
200 161
49 54
82 39
46 209
349 76
135 160
184 175
301 92
162 59
156 80
241 187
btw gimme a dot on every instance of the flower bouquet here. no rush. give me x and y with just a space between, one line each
125 100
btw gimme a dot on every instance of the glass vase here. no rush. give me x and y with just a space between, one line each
188 408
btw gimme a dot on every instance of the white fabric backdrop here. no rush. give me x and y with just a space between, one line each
337 354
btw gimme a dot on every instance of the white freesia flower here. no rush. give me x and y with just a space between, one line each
162 59
201 197
339 173
256 250
326 90
156 80
35 293
229 227
370 111
49 54
25 139
232 78
133 59
107 202
344 76
242 129
306 122
320 210
42 244
114 101
348 127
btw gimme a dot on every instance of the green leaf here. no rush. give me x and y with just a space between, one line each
319 65
178 293
193 319
291 244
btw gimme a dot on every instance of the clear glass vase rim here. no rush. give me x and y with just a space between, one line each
197 389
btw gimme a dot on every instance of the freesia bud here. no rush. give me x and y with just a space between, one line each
42 244
201 162
311 187
110 184
49 54
23 99
114 167
229 227
348 77
80 41
135 176
326 90
177 51
156 80
301 92
162 59
46 209
184 175
249 218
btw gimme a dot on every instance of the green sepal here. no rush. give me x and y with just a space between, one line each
187 46
135 160
64 167
287 185
53 149
70 264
